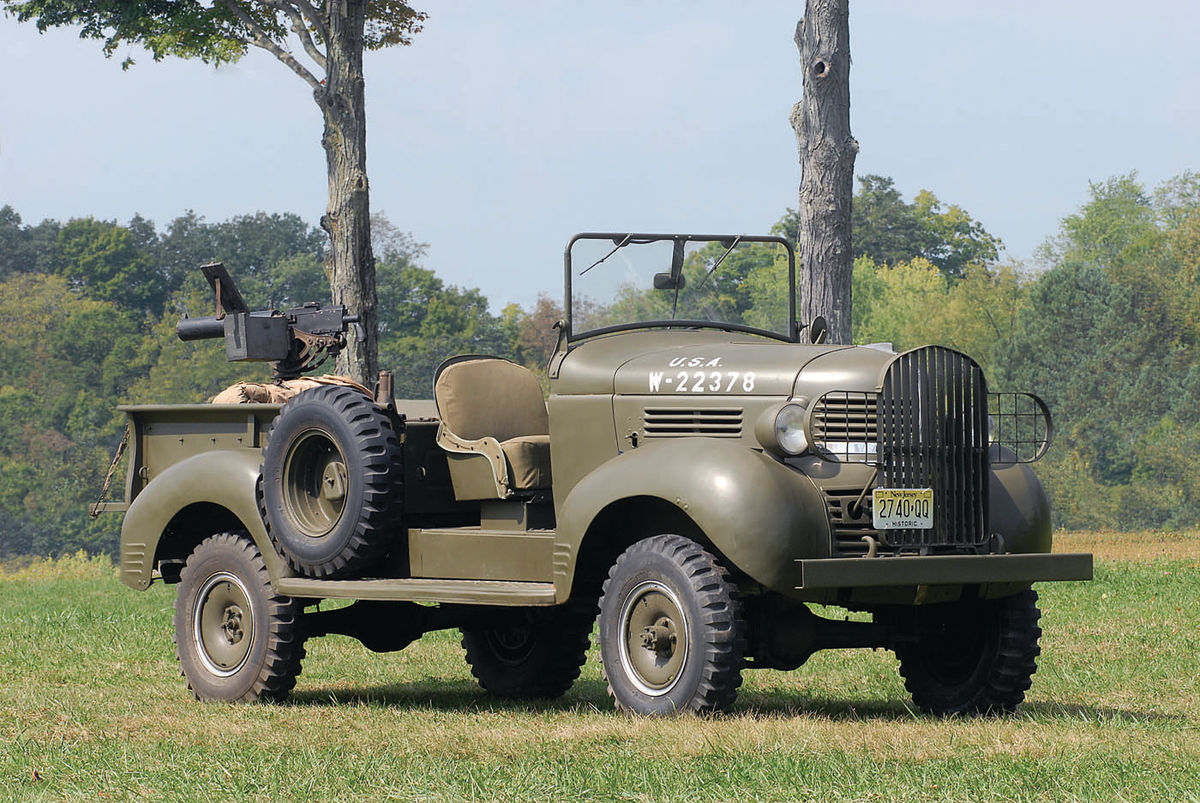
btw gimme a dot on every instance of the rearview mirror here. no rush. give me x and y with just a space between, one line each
818 330
668 281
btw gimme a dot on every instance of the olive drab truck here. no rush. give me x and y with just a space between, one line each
704 472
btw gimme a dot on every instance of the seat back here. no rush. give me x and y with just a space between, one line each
480 397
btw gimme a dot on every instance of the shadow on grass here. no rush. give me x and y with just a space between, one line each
591 696
898 710
456 696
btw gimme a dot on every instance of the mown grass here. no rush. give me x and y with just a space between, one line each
94 708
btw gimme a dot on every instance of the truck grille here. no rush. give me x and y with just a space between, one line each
926 428
678 422
845 424
849 525
932 433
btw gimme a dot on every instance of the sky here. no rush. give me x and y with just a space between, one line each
509 126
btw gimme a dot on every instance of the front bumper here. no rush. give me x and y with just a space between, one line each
917 570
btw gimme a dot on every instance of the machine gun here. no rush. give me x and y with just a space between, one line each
297 340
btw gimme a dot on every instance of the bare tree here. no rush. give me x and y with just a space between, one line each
821 121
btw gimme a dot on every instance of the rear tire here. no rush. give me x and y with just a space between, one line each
235 638
672 634
536 654
331 482
974 659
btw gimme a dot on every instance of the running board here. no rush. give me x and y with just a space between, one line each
457 592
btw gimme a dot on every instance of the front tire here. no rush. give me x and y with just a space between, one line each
974 659
235 638
534 655
672 634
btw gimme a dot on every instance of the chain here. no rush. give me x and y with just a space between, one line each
112 469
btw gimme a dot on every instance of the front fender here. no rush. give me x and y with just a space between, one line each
1020 511
225 478
759 513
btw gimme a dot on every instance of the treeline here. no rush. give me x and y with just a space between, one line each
1106 333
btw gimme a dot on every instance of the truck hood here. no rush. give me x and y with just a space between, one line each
715 363
854 369
730 368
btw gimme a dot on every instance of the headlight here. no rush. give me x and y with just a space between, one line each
789 429
781 430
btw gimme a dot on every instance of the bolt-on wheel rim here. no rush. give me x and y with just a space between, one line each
223 624
314 483
653 638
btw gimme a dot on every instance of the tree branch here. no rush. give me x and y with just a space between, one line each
315 17
259 38
301 31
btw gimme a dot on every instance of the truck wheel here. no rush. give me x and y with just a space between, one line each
535 655
671 630
331 482
235 638
977 659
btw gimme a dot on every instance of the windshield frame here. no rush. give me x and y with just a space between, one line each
635 238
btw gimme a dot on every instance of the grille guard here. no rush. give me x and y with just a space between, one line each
1023 427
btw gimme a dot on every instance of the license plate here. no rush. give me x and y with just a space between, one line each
902 508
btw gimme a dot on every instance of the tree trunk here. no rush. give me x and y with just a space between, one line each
821 121
350 264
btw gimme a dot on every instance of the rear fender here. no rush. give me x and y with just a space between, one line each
225 478
760 514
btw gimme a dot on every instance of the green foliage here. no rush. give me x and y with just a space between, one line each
188 29
26 249
58 382
894 304
12 242
104 261
889 231
1117 217
422 321
276 258
210 31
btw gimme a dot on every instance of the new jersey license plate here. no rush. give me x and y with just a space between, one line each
902 508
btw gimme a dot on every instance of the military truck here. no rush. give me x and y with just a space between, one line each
705 478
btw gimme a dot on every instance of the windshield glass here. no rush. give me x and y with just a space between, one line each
622 281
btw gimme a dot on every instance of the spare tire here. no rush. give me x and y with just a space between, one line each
331 493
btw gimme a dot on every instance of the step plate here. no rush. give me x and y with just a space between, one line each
459 592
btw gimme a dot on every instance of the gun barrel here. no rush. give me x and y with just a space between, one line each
205 328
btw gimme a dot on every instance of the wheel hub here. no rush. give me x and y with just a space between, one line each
654 643
333 482
660 636
232 624
223 624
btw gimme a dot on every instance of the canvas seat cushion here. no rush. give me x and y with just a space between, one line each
528 458
490 397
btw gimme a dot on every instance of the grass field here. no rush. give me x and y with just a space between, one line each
93 708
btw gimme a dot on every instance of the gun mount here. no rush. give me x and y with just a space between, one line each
297 340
